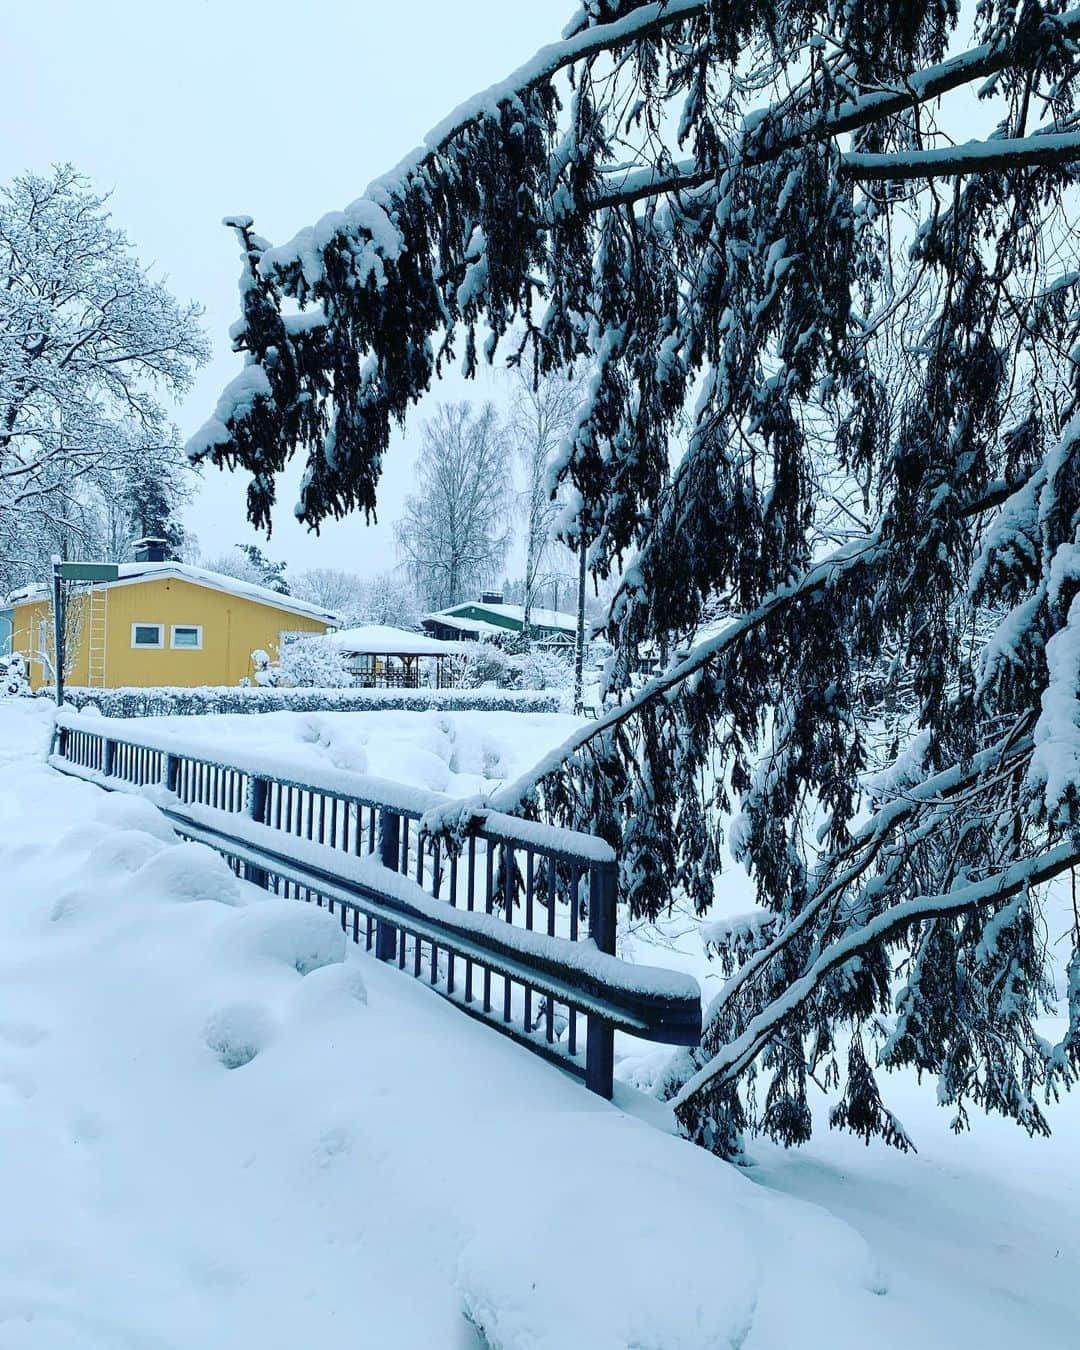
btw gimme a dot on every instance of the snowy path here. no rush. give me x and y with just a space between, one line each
219 1128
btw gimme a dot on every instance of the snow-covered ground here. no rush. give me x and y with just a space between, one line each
459 753
220 1127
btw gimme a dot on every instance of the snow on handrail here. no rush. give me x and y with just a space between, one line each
366 788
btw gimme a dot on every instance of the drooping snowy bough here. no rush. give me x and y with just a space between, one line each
833 401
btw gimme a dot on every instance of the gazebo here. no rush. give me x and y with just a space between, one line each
381 657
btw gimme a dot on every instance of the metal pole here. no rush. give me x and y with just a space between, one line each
600 1035
386 935
58 630
579 639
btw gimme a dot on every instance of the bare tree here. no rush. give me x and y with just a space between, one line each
343 593
87 342
454 532
390 598
540 418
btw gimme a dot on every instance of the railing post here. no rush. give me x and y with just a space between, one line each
108 752
258 796
171 776
600 1037
389 855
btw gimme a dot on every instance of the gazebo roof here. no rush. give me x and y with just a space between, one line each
376 639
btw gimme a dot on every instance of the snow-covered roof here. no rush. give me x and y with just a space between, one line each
199 576
540 618
466 625
377 639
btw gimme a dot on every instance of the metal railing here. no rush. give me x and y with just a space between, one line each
516 927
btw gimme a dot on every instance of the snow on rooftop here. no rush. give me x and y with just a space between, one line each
541 618
467 625
377 639
199 576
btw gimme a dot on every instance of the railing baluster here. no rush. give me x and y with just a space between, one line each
508 904
470 897
258 806
385 933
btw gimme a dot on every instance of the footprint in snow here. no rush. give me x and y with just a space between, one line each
22 1035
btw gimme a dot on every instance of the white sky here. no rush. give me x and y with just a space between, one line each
283 109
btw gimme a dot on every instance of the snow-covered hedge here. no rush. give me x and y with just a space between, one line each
168 702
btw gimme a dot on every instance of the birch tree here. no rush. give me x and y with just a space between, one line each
454 531
541 415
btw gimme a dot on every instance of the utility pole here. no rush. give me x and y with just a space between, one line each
59 597
579 640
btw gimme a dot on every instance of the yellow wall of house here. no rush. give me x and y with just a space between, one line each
233 627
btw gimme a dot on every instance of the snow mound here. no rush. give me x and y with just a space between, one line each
188 872
123 811
297 935
326 991
238 1032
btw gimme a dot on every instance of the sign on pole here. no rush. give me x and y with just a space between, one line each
86 571
71 571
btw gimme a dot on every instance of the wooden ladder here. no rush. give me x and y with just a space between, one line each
97 611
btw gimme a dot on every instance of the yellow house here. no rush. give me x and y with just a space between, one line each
159 623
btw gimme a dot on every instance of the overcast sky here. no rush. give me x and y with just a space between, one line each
283 109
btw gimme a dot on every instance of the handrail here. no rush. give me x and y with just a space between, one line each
508 907
366 789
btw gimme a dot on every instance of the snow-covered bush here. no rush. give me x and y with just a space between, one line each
486 663
311 662
13 681
265 676
182 702
496 663
546 668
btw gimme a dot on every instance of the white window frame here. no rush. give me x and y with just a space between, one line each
184 646
148 646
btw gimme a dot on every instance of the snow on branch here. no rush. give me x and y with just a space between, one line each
1021 876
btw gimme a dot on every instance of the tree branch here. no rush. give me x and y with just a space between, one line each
725 1066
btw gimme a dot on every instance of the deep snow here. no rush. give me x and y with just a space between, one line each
221 1128
460 753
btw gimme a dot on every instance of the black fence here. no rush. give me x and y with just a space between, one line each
516 925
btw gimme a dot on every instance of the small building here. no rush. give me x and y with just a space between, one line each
379 656
158 623
489 617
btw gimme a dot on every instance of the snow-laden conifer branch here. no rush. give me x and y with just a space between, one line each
778 364
735 1057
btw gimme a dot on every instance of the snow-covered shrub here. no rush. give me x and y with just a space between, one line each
183 702
13 681
265 676
489 664
511 664
546 668
311 662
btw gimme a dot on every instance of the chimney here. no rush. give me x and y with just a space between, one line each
491 598
150 550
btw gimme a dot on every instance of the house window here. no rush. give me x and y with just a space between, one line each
147 635
187 635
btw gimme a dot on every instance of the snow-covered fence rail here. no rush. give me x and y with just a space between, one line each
176 701
516 928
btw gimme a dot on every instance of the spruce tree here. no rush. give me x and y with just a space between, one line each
832 394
